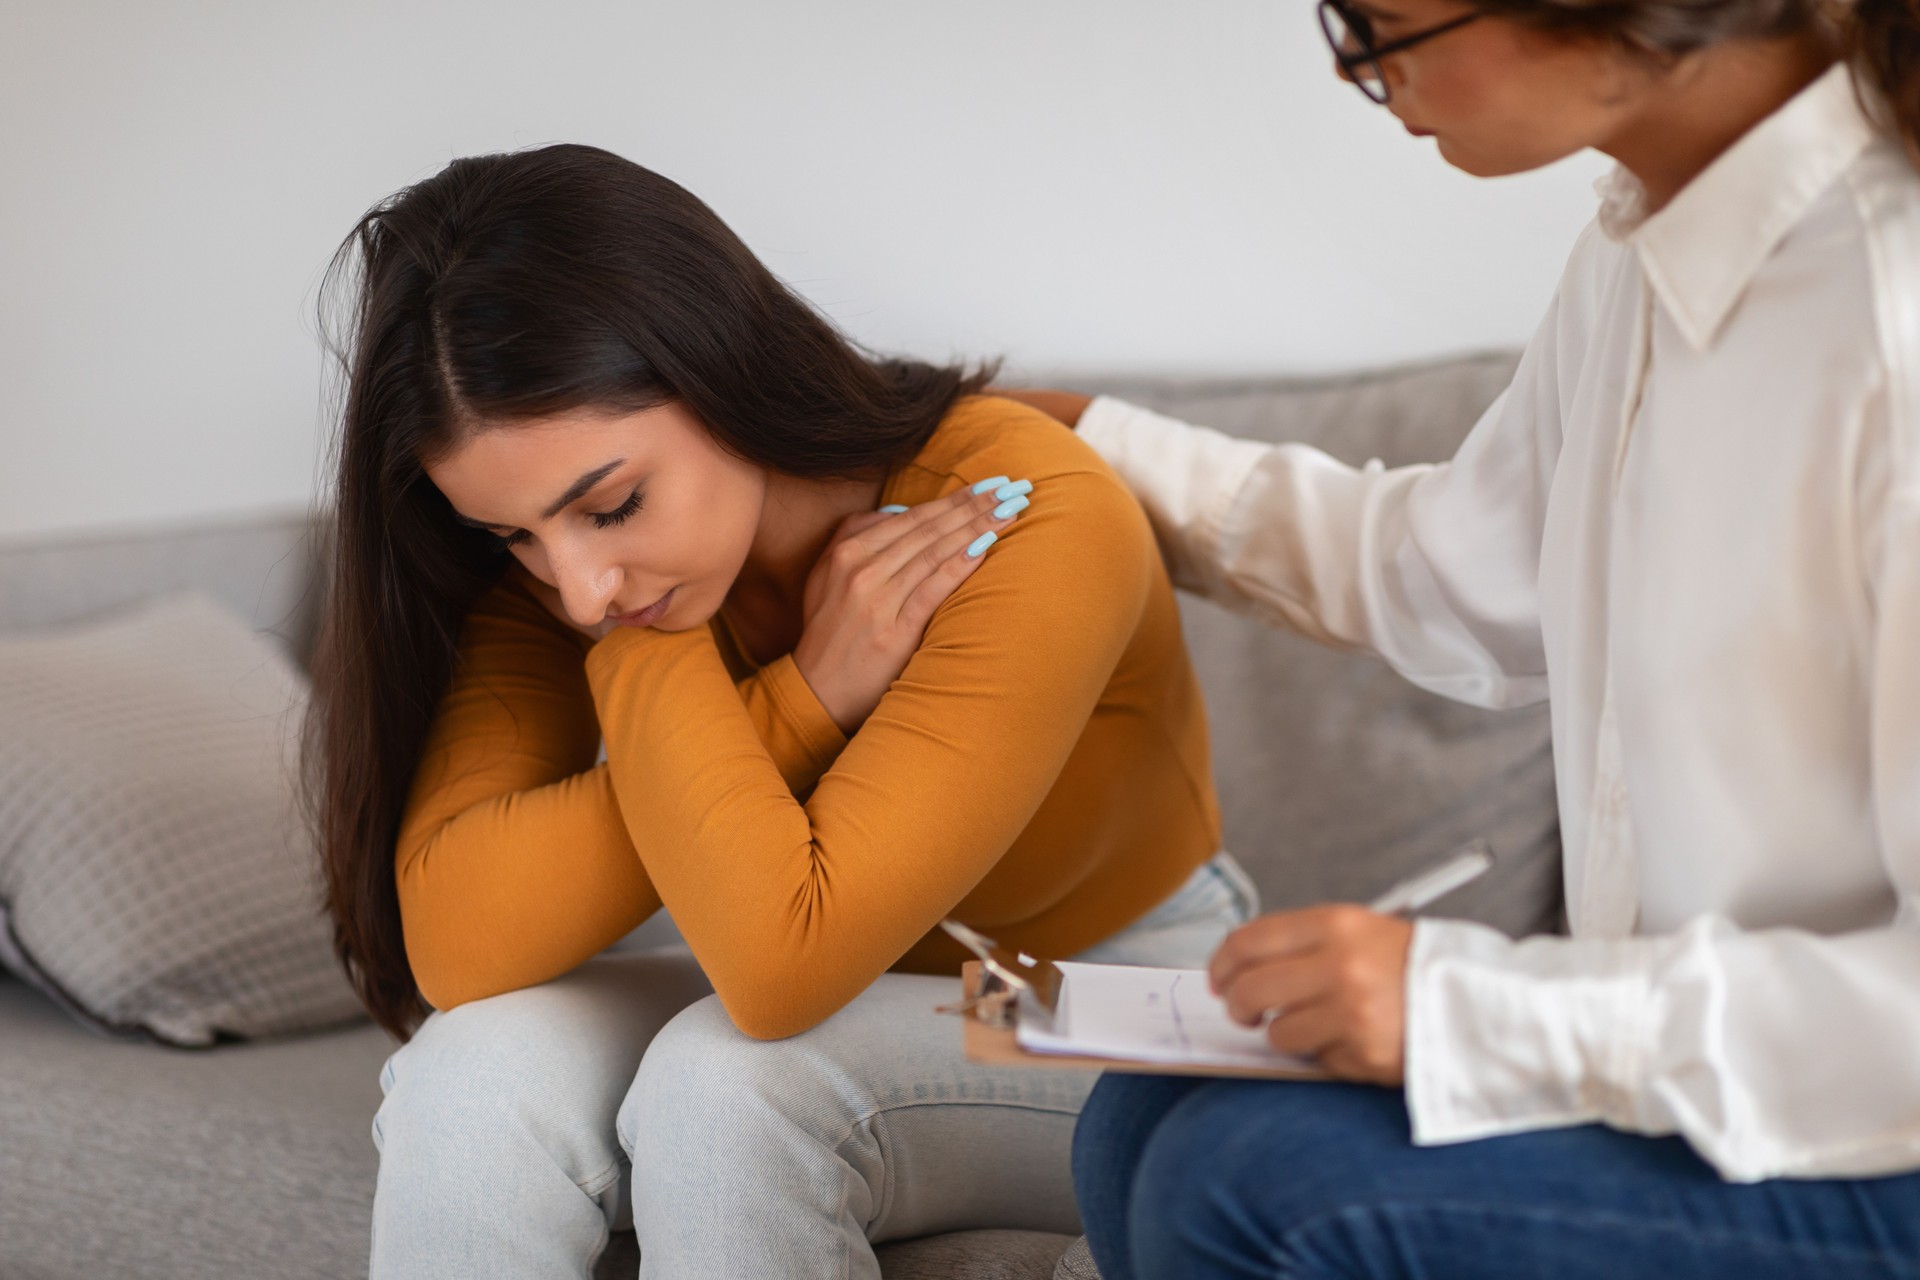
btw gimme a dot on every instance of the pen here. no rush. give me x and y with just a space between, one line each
1461 867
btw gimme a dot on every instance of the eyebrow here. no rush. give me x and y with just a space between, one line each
577 490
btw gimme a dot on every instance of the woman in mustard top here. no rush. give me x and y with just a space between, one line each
649 589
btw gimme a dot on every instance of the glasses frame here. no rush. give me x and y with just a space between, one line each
1366 53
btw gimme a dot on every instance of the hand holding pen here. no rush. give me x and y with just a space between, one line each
1330 981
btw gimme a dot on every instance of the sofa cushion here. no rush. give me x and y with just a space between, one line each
155 875
141 1160
998 1254
1336 776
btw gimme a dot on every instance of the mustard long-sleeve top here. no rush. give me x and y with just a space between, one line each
1040 769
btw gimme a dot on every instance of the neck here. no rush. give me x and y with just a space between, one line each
1707 102
796 524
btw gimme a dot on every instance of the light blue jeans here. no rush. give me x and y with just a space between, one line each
519 1131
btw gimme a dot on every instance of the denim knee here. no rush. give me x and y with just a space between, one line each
1115 1126
1243 1168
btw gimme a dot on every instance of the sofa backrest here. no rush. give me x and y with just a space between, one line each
262 568
1336 777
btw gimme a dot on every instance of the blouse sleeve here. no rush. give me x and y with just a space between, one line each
1775 1053
513 862
793 909
1433 568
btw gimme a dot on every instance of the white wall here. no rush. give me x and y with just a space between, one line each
1174 185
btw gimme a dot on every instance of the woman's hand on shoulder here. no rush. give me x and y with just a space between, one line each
1065 406
875 588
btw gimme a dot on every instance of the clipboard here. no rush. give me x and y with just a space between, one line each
990 1044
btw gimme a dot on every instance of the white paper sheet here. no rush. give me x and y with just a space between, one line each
1146 1015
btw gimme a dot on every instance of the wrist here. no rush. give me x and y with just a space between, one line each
832 699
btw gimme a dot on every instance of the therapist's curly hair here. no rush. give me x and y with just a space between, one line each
1879 38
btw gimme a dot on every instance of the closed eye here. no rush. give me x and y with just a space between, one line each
619 515
601 520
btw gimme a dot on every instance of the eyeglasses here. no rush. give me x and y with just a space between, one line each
1350 34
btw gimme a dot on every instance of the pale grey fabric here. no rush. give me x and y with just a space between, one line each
958 1255
154 872
262 569
1336 776
974 1255
1076 1263
243 1162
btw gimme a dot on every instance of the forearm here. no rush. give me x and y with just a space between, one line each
513 861
1775 1053
519 889
785 933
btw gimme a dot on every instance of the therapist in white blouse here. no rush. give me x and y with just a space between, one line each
1692 524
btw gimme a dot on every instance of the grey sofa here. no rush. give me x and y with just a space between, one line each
248 1160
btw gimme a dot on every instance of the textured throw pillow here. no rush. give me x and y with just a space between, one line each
155 877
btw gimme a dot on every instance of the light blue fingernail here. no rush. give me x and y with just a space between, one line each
980 544
892 509
985 485
1013 490
1010 508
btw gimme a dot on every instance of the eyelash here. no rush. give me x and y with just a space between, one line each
619 515
601 520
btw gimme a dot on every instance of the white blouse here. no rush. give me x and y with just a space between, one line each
1693 523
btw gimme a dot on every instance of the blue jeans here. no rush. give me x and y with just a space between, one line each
1197 1179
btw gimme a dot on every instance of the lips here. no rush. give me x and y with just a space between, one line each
648 616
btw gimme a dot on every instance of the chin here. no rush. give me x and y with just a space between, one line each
685 614
1468 161
1482 164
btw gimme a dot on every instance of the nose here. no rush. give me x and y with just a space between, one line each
587 586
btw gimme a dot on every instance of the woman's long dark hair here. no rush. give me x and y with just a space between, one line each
1879 38
506 288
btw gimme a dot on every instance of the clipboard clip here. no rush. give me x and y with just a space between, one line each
1005 977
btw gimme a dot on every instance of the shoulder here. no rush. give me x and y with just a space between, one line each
982 437
1594 267
1083 532
986 436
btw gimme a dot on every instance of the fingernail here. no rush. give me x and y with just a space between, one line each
1013 490
892 509
1010 508
980 544
985 485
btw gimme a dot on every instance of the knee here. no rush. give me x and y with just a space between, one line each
1242 1168
709 1092
494 1074
1119 1117
703 1081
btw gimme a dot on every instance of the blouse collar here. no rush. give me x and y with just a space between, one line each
1701 250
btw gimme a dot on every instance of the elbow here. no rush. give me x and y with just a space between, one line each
772 1029
442 962
762 1020
774 1010
440 985
439 998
